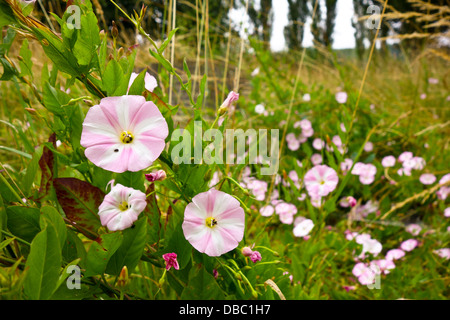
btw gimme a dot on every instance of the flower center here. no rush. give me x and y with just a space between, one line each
322 182
124 206
126 137
210 222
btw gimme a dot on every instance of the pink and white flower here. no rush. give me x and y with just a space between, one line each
414 229
341 97
443 253
302 227
320 181
405 156
409 245
388 161
286 212
316 159
395 254
427 178
267 211
121 207
214 222
124 133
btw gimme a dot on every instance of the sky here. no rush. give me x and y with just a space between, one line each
343 31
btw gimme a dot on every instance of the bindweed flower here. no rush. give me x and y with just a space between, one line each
286 212
156 176
414 229
443 253
369 245
255 256
395 254
316 159
318 144
171 261
384 265
368 146
447 212
214 222
149 80
351 201
427 178
259 108
247 251
226 105
121 207
388 161
407 155
409 245
320 181
341 97
124 133
303 227
306 97
267 211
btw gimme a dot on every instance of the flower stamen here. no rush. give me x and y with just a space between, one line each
211 222
126 137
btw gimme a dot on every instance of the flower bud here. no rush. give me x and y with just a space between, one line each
156 176
123 279
232 97
247 251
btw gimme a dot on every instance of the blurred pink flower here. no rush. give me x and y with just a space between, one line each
121 207
443 253
433 81
228 103
351 201
316 159
286 212
413 228
171 261
395 254
318 144
409 245
124 133
447 212
405 156
427 178
346 165
255 256
302 227
385 265
320 181
267 211
341 97
388 161
214 222
368 146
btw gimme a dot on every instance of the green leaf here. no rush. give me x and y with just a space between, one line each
178 244
163 61
100 252
80 201
25 62
167 41
32 169
55 49
138 85
43 265
112 77
131 249
49 215
23 222
133 180
202 286
54 99
3 217
88 40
